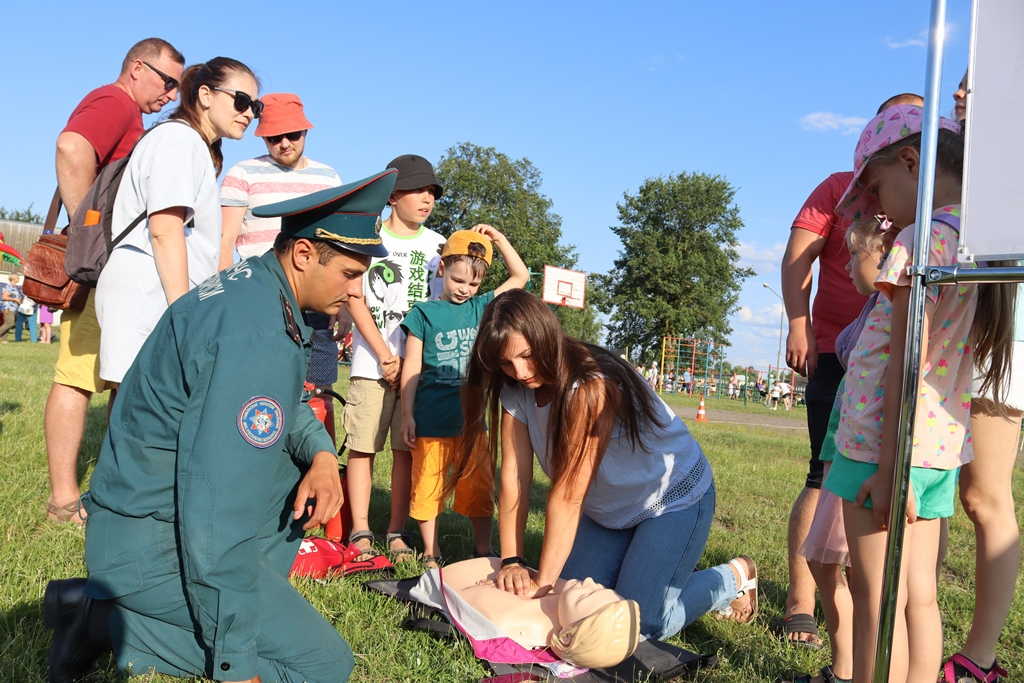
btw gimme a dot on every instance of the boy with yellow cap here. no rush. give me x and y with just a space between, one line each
440 339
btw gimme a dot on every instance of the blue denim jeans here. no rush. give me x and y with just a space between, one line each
653 563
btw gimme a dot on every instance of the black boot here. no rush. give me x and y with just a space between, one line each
80 631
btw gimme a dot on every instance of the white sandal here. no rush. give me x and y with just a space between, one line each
747 584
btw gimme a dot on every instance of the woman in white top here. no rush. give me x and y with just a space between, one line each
172 179
632 498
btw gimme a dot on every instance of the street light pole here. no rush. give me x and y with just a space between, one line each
782 320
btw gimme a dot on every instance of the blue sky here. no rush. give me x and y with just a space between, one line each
598 95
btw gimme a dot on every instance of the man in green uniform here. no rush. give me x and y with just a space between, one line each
214 465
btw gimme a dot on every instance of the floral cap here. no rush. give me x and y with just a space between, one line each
891 126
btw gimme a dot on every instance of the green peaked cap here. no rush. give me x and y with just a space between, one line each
347 216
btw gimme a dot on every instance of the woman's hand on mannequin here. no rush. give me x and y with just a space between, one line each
521 581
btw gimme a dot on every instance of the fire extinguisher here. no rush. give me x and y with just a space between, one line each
338 527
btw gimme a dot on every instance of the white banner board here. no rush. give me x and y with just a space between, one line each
564 287
993 204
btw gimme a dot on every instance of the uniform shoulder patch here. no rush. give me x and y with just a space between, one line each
261 421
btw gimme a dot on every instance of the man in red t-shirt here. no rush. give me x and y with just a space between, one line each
817 234
103 128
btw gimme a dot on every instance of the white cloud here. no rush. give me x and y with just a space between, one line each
763 260
910 42
824 121
921 40
770 316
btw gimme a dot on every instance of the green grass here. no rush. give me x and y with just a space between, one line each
758 474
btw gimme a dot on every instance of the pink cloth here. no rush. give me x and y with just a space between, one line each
826 539
45 315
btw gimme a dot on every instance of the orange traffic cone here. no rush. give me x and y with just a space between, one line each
701 415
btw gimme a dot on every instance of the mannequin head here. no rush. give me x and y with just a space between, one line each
605 638
579 599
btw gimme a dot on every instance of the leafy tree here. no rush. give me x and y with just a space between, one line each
483 185
677 272
26 215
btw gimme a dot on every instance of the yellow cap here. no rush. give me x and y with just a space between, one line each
459 245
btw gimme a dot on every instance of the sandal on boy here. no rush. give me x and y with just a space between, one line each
364 553
799 623
748 584
72 512
960 669
400 555
430 561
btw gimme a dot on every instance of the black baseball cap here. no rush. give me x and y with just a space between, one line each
415 172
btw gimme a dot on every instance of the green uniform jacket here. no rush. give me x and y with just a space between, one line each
208 438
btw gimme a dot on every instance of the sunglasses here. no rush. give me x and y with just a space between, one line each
294 136
243 102
169 83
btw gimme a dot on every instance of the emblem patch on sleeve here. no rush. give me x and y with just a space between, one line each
261 421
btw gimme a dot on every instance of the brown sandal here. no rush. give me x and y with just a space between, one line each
72 512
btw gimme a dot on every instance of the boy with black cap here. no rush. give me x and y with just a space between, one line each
390 288
213 467
440 338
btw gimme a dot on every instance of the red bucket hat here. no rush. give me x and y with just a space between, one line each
282 113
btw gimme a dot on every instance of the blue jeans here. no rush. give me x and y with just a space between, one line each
653 563
27 320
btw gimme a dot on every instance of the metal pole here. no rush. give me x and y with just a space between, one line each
782 320
912 357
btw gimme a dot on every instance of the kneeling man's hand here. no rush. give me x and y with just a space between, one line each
319 495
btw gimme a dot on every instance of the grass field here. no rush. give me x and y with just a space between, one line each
758 473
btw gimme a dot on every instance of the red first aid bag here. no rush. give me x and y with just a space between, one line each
319 558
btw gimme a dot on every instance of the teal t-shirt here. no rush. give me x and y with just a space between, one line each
447 331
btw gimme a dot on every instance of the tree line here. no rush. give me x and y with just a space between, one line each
677 272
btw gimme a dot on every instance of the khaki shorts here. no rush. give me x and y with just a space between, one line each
372 408
78 362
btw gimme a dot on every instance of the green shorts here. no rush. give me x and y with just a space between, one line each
828 446
934 490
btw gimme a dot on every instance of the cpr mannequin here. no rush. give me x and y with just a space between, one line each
583 622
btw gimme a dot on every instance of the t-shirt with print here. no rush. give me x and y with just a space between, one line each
262 181
391 286
109 120
837 302
942 435
447 331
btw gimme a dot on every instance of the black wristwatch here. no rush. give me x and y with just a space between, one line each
513 560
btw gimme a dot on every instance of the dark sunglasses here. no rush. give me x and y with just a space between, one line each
243 102
294 136
169 83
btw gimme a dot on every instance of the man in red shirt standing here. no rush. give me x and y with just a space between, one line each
817 234
103 128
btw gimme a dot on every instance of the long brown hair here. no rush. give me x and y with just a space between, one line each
213 74
575 372
993 327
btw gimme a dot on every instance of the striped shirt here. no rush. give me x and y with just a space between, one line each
261 181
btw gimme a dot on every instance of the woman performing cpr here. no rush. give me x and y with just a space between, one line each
631 499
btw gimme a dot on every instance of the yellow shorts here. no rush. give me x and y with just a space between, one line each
372 408
78 361
474 492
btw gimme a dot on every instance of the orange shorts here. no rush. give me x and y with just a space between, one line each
474 492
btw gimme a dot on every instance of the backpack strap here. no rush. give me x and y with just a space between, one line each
116 184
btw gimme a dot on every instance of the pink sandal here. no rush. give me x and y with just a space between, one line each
960 669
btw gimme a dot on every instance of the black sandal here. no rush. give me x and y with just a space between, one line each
799 623
400 555
368 553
